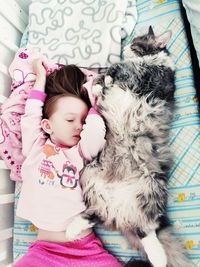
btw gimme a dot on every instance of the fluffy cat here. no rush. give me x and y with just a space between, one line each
126 185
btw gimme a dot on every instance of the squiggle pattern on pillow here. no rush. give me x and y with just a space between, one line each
86 33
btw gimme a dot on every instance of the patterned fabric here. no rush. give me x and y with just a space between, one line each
184 194
62 30
23 77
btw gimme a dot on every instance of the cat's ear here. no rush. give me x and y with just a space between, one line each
163 39
151 32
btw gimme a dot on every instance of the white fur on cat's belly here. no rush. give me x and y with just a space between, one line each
114 96
75 228
122 212
130 105
154 250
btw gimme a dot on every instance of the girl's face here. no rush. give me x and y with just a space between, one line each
66 122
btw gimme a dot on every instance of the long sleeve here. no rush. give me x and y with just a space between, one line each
93 135
31 120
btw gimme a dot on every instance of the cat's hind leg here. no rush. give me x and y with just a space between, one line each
153 249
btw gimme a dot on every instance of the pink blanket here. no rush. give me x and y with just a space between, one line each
23 79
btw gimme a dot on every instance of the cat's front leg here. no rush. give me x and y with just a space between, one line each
98 88
98 85
108 81
80 223
118 72
100 80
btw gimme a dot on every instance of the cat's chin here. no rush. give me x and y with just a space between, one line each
128 54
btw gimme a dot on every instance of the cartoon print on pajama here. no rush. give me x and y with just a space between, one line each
48 171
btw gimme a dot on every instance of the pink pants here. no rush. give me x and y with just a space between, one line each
86 252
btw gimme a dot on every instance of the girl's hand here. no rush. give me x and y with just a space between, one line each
40 71
39 68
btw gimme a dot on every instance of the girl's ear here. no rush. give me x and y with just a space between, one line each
46 126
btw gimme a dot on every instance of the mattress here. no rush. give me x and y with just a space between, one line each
184 186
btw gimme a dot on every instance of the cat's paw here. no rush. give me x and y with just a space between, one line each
75 228
108 81
99 79
72 232
97 89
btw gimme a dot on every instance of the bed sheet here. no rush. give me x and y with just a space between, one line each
184 192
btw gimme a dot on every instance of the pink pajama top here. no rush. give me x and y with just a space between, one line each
51 194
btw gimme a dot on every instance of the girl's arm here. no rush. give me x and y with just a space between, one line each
31 120
40 75
93 135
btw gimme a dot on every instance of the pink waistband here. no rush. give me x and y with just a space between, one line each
86 252
84 246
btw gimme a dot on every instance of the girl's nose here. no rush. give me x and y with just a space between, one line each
79 126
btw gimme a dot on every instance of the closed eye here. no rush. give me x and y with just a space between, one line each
137 50
69 120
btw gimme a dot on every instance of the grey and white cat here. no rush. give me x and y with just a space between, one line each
126 185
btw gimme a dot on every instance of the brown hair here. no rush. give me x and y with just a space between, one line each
66 81
50 105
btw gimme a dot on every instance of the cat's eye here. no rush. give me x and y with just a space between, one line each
136 50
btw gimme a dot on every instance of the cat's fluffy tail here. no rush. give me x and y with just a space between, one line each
173 248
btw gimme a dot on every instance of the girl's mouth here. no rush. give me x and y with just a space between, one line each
76 136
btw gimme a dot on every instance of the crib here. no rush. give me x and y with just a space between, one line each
13 18
15 234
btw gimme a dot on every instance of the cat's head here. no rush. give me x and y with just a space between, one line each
148 44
